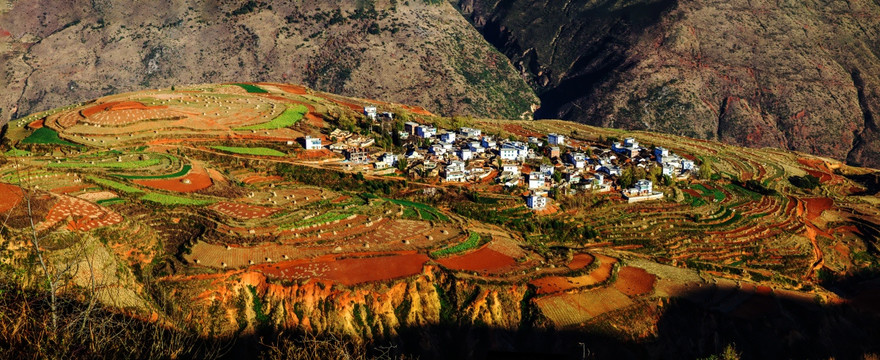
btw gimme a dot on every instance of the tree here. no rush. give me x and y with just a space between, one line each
705 171
626 178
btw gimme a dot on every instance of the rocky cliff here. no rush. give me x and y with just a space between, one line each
800 75
56 52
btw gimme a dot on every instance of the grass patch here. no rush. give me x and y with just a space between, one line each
17 152
252 88
186 168
174 200
45 135
107 165
261 151
714 193
422 208
320 219
472 242
110 201
115 185
289 117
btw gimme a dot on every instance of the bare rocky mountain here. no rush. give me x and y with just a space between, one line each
800 75
415 52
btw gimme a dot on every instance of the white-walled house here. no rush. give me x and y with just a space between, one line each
370 112
470 132
447 137
508 153
425 131
536 180
555 139
510 168
547 170
488 143
313 143
465 154
536 202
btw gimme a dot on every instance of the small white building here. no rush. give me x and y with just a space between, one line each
556 139
437 149
536 202
388 159
488 143
370 112
536 180
508 153
510 168
425 131
465 154
313 143
447 137
547 170
470 132
475 147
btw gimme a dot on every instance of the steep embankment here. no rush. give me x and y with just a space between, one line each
58 52
795 75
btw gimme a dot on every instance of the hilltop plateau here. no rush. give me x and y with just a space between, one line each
241 212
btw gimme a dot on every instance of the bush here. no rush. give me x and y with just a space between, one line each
805 182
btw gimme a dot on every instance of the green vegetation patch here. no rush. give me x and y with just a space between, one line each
185 170
45 135
425 211
115 185
110 201
252 88
289 117
713 193
107 165
174 200
472 242
261 151
17 152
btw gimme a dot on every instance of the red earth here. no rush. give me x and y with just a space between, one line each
198 180
36 124
350 271
580 261
815 206
253 179
117 105
82 215
519 130
243 211
10 195
484 260
634 281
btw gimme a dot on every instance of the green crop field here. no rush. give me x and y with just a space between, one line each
17 152
115 185
250 150
107 165
46 135
320 219
423 209
174 200
185 170
288 118
252 88
472 241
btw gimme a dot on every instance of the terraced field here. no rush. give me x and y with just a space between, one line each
194 176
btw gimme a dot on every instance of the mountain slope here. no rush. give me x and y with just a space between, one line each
795 75
413 52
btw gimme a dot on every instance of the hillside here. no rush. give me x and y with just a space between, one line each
411 52
796 75
204 210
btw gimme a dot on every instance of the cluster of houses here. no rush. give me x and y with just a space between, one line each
541 165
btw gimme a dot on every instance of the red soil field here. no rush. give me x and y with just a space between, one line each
634 281
198 180
354 107
118 105
315 154
484 260
350 271
253 179
85 215
580 261
519 130
10 195
36 124
815 206
418 110
243 211
552 284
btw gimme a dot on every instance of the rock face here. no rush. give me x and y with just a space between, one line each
406 52
800 75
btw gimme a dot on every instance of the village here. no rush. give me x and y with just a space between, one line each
543 167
